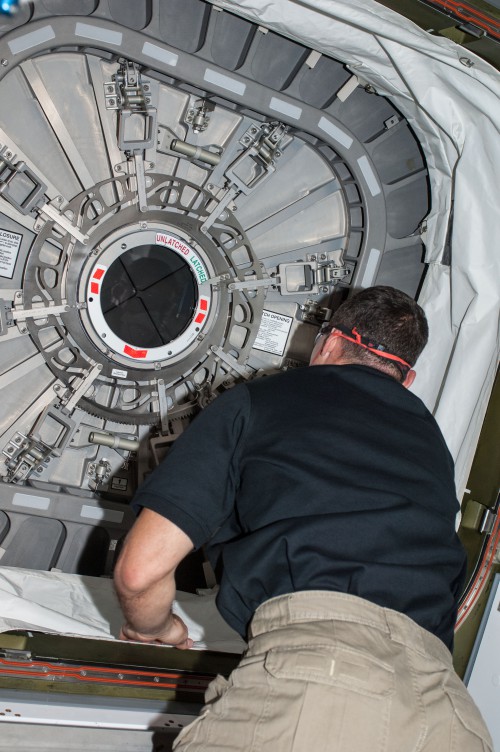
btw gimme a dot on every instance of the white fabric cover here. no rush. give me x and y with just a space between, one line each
455 112
73 605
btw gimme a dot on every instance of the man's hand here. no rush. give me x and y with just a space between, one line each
175 633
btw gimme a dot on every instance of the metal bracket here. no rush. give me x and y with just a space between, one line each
62 222
28 453
21 314
309 277
198 117
24 455
6 320
18 183
70 397
298 278
230 361
100 473
130 95
488 521
163 405
255 164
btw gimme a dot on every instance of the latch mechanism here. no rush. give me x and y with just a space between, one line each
18 183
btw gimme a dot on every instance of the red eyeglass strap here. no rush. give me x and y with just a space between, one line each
373 347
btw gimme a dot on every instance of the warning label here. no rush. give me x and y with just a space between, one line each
10 242
273 333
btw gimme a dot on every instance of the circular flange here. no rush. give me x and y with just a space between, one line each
140 286
215 321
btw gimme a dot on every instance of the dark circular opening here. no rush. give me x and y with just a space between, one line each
148 296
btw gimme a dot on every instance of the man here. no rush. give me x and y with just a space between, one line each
327 496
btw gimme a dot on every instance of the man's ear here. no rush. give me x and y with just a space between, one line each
410 378
328 351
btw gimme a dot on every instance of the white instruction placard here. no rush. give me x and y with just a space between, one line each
10 242
273 332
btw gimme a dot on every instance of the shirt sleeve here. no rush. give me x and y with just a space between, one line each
194 487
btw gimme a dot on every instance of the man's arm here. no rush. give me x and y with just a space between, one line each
145 580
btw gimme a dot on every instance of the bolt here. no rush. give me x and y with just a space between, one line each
158 366
313 258
210 186
120 676
123 246
151 165
146 87
110 89
156 679
144 225
5 62
118 168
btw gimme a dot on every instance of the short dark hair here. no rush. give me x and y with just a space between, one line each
388 316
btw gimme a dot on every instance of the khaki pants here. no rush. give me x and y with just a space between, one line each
329 671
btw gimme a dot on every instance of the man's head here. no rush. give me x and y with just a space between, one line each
388 330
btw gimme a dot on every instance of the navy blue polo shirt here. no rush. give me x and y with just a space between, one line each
321 478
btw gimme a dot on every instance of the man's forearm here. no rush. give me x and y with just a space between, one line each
145 584
149 613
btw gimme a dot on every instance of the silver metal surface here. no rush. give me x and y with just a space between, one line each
275 180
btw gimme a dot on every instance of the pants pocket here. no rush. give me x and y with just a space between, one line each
469 730
328 698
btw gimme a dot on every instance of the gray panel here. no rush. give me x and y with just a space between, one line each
232 39
135 14
36 544
183 23
400 269
88 552
365 113
319 85
397 155
277 61
406 206
22 16
69 7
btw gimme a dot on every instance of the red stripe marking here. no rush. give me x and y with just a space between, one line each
94 287
134 353
200 317
203 304
98 274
